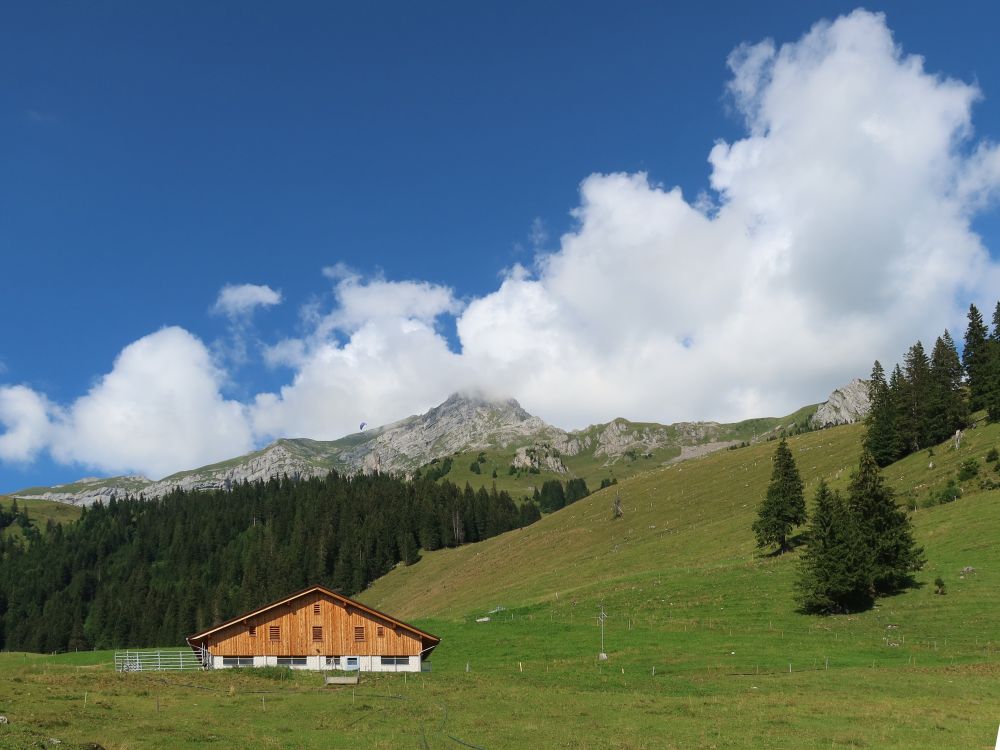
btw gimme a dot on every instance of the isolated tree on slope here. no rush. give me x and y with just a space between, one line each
884 529
835 569
784 505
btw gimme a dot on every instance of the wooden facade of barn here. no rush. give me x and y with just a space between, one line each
316 629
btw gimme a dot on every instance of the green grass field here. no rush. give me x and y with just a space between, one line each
705 649
40 512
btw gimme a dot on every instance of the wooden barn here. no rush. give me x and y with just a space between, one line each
316 629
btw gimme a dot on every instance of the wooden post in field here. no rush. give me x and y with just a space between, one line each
262 707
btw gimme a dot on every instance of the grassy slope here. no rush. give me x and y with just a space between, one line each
686 595
41 511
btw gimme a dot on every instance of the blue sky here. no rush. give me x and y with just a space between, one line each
155 153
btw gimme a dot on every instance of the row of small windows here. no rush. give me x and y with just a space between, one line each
274 632
349 662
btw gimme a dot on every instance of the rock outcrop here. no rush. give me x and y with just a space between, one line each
846 405
539 457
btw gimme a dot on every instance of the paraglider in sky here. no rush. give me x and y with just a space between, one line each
362 427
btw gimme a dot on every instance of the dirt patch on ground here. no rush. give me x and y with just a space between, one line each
697 451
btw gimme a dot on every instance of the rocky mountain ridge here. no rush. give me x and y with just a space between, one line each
462 423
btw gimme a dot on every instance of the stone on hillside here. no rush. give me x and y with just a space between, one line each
541 457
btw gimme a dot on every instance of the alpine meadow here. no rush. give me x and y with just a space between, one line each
332 417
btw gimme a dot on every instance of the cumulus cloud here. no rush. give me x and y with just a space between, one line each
837 231
25 414
372 357
238 300
158 410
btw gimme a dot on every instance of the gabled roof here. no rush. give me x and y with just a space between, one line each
423 635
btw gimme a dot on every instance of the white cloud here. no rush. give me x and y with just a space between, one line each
238 300
25 414
393 359
838 231
158 410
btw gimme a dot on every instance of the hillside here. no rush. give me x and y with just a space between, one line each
463 427
704 647
40 512
684 546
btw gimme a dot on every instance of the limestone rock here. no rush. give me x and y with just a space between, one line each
846 405
541 457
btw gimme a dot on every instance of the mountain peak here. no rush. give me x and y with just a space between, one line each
477 400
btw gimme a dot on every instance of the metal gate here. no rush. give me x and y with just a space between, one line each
159 660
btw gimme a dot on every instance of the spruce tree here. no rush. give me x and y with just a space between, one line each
991 396
835 570
880 437
884 529
784 504
948 411
899 401
974 359
917 423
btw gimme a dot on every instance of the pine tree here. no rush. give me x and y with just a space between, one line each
899 403
917 370
880 436
948 411
974 359
884 529
991 396
835 569
784 504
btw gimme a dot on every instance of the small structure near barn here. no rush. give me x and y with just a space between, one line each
316 629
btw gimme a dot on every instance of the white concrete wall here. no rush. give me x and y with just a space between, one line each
318 663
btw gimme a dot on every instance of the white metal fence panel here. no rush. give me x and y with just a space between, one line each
158 661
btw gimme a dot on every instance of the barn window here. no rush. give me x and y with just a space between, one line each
253 631
317 632
316 608
291 661
359 633
395 661
237 661
380 631
274 632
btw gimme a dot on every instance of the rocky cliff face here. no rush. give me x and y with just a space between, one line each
846 405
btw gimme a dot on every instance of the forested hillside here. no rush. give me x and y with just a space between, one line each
138 572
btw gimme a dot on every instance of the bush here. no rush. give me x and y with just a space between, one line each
939 585
968 470
947 494
992 456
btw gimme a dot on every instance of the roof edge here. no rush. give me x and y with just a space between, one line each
423 634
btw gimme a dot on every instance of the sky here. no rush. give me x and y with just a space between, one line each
224 223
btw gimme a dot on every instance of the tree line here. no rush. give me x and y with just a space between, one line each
137 572
926 400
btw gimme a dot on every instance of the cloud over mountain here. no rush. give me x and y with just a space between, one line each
838 231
